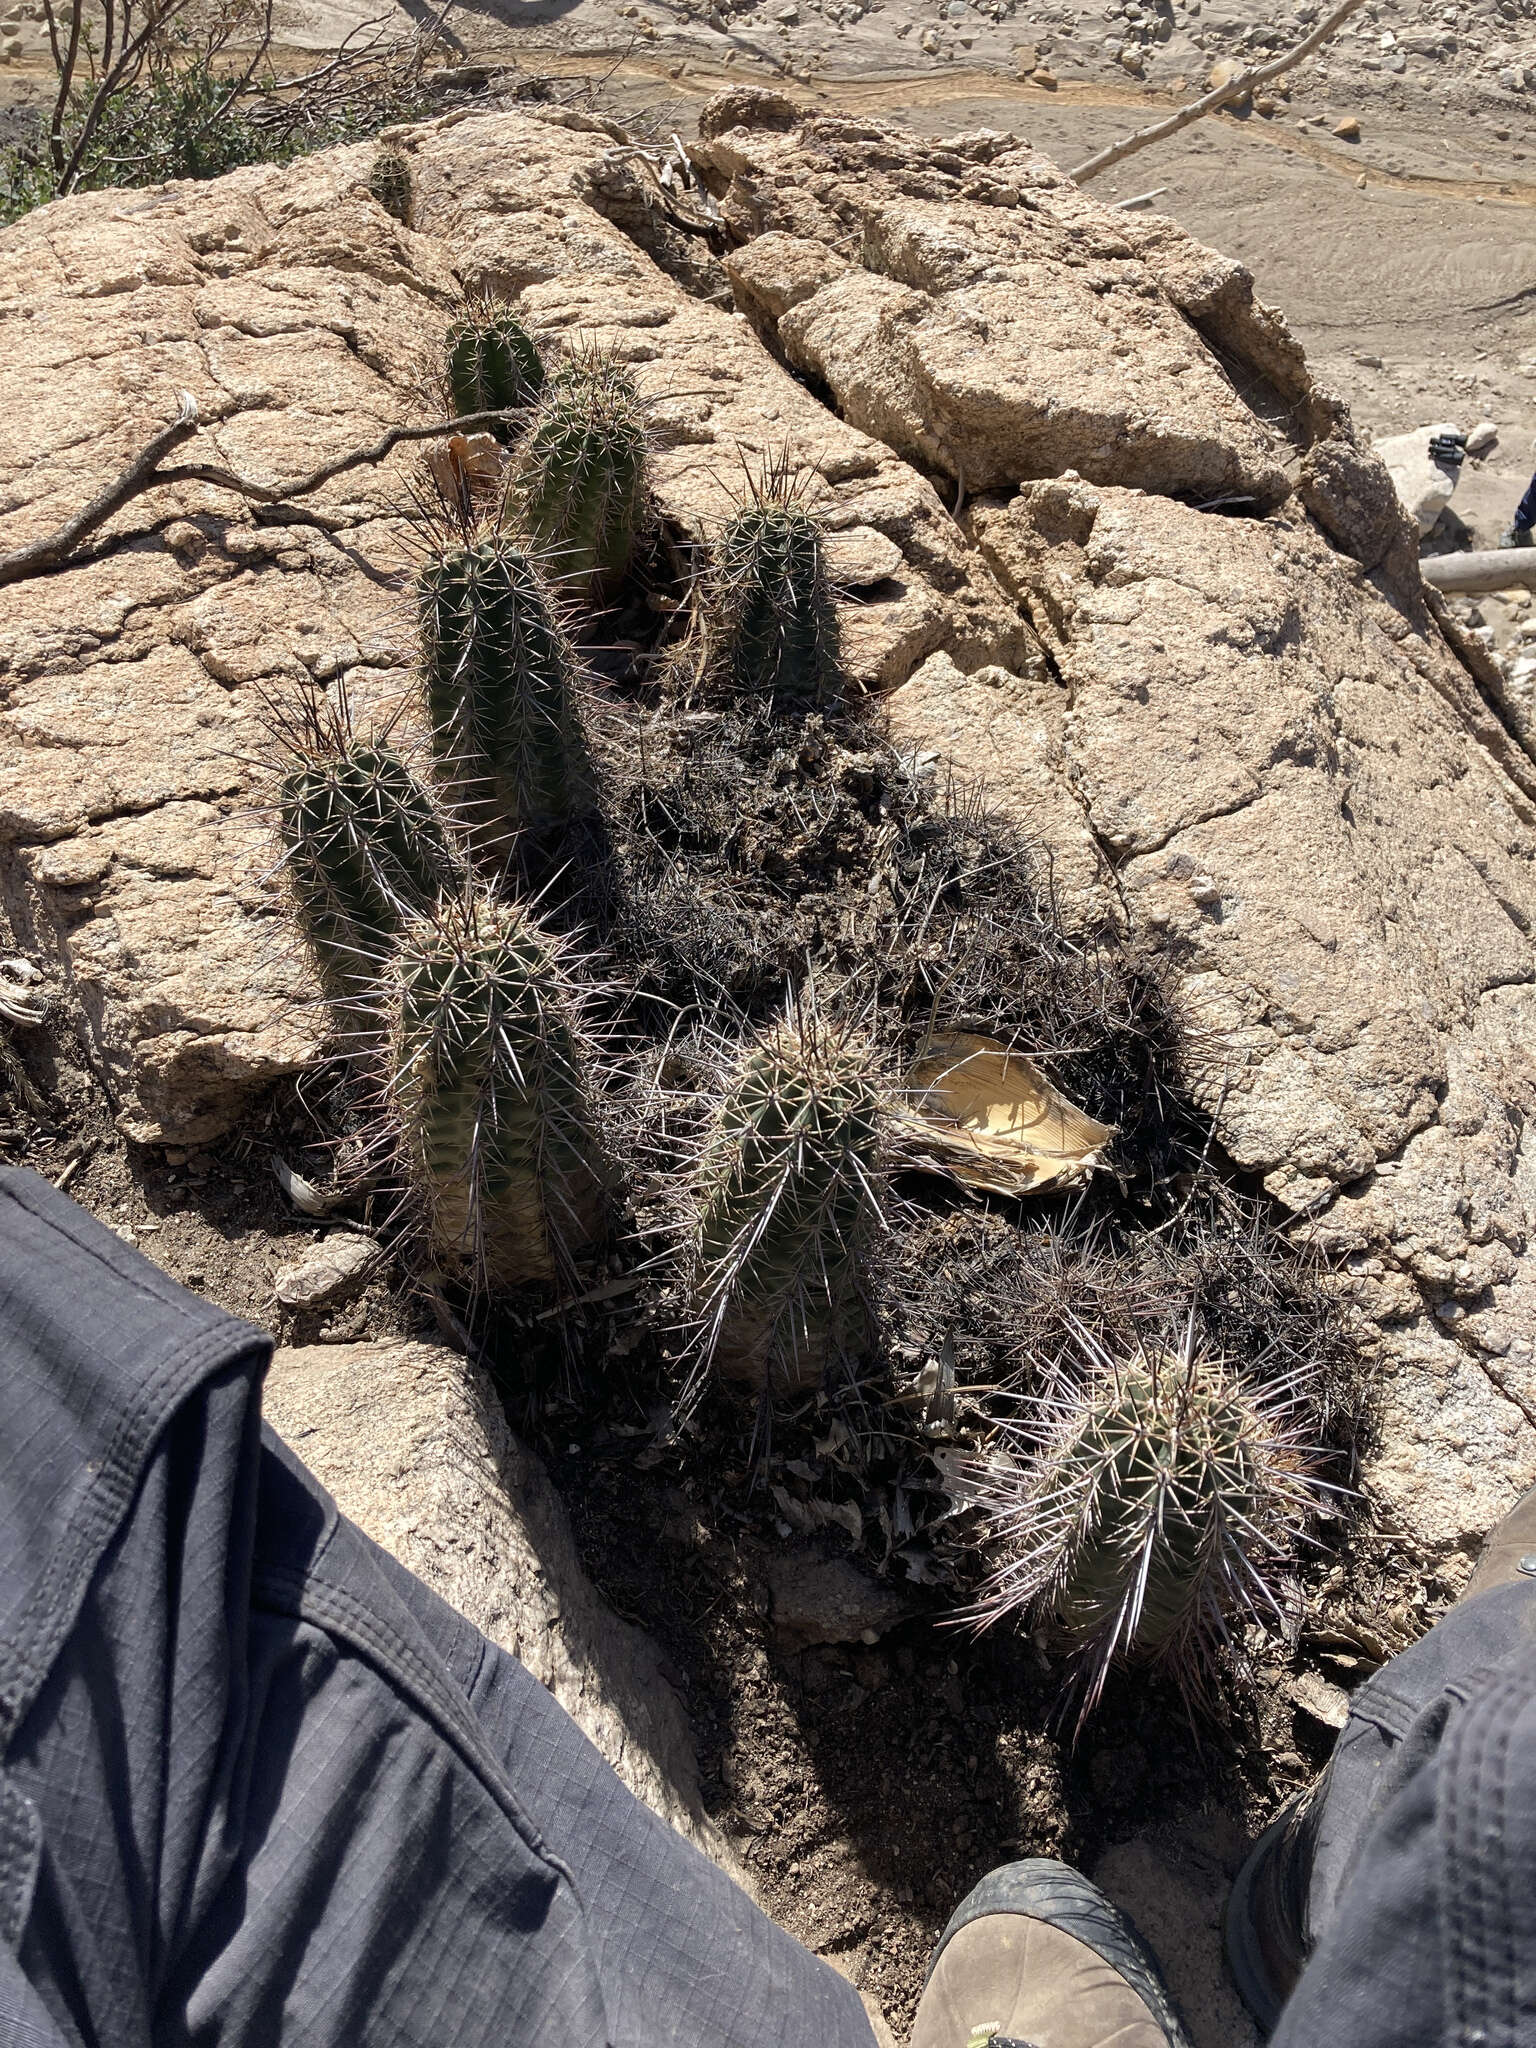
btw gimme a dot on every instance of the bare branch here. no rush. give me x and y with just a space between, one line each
1220 96
144 473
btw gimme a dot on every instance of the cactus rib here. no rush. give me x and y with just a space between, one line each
493 364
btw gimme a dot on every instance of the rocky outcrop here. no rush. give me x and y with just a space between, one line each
415 1449
1101 540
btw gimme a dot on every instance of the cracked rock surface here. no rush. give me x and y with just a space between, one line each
1104 542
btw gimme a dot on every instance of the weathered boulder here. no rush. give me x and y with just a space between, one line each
414 1448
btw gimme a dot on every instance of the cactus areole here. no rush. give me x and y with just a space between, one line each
491 1096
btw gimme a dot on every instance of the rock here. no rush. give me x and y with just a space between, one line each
1025 57
776 271
826 1598
991 343
1425 485
1484 438
1319 1700
859 557
413 1445
1222 72
1044 78
1347 130
333 1269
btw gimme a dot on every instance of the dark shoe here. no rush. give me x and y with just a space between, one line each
1037 1955
1266 1920
1518 537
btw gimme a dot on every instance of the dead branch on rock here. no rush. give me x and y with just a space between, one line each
1490 569
1219 96
145 473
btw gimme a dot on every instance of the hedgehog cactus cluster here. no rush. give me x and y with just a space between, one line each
1137 1508
499 680
580 492
490 1093
787 1205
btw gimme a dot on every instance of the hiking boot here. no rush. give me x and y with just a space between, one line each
1509 1549
1037 1957
1266 1920
1518 537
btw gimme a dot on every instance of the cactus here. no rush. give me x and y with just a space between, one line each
493 364
1143 1506
389 180
772 624
364 848
788 1201
580 487
490 1093
501 694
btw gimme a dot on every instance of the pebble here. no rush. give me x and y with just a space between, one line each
1347 130
331 1269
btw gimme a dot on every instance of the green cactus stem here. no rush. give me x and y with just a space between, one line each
1139 1509
501 686
580 493
364 849
489 1084
772 625
493 364
389 180
788 1204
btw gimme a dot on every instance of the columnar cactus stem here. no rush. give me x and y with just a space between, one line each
493 364
768 604
489 1085
579 492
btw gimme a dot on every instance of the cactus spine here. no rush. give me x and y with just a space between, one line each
772 623
788 1202
364 849
490 1090
389 180
1146 1504
493 364
580 488
500 680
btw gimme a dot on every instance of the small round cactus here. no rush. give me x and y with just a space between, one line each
364 848
488 1080
389 180
579 493
787 1204
493 364
1138 1508
501 684
771 622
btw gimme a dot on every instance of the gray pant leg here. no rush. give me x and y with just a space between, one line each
1422 1909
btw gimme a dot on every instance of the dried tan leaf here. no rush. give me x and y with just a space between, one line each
990 1118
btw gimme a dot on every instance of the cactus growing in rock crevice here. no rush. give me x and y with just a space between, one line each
389 180
1138 1508
489 1089
493 364
769 613
364 848
501 684
579 492
787 1205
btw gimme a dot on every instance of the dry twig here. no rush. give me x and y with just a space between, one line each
1220 96
145 473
